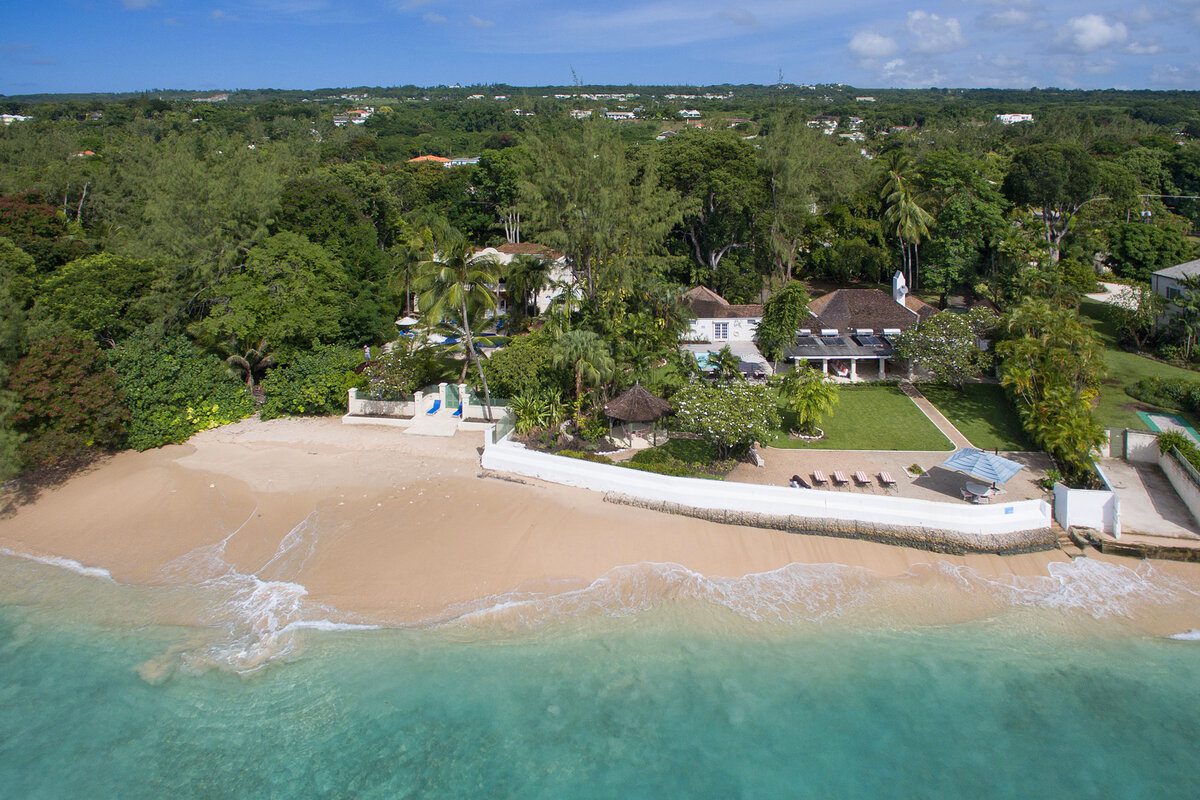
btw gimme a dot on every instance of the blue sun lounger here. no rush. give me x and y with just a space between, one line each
437 406
458 411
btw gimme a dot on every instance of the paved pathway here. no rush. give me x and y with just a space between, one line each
1149 503
936 417
1110 293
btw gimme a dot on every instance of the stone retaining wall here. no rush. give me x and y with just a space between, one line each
931 539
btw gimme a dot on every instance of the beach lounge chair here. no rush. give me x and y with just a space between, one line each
458 411
887 480
798 483
819 478
435 408
839 477
861 478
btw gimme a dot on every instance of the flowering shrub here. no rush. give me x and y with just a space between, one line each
730 416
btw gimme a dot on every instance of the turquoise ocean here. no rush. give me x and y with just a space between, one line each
653 683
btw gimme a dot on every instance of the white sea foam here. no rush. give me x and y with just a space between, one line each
260 610
809 592
1097 588
63 563
1187 636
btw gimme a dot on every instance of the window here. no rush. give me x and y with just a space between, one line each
1173 292
720 330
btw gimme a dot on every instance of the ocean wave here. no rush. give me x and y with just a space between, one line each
809 592
69 564
1098 588
1187 636
259 610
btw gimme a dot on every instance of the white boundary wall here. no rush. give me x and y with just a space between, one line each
1098 509
1185 485
1022 515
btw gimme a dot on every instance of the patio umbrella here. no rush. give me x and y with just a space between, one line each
407 321
982 465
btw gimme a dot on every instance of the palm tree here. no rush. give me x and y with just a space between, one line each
902 214
524 277
452 284
727 365
251 362
588 355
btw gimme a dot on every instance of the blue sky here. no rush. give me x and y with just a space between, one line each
122 45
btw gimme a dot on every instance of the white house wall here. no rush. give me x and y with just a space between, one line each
740 330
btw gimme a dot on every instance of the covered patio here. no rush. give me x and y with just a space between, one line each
843 356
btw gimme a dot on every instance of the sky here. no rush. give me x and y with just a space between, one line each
131 45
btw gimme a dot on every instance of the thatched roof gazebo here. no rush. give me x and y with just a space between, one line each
637 405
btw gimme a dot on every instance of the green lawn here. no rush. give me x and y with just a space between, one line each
1117 409
870 417
984 414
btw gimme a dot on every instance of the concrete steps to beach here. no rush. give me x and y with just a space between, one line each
436 425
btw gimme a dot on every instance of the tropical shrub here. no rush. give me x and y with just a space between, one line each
10 440
405 369
312 383
535 411
1177 393
945 345
525 365
173 390
69 404
730 416
584 456
809 395
682 458
1180 443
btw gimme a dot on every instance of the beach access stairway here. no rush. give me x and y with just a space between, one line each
449 414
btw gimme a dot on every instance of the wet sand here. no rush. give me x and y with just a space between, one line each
398 528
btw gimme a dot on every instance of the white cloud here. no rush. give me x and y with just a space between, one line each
934 34
1143 49
218 15
1008 18
433 18
479 22
868 44
137 5
1092 32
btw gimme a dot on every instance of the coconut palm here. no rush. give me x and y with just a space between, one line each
587 355
452 285
902 214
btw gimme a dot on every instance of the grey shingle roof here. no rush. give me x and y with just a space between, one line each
1185 270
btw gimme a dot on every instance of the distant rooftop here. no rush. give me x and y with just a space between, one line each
1187 269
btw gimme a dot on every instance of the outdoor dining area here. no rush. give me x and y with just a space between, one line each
990 471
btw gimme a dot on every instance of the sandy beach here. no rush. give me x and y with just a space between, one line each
397 528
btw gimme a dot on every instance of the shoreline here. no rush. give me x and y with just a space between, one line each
398 529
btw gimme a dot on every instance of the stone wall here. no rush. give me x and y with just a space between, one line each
923 538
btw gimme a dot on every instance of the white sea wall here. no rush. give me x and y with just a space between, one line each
776 501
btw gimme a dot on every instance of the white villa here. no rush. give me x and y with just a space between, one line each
851 328
717 320
1168 283
559 277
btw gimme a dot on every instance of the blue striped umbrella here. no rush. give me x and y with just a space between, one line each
985 466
